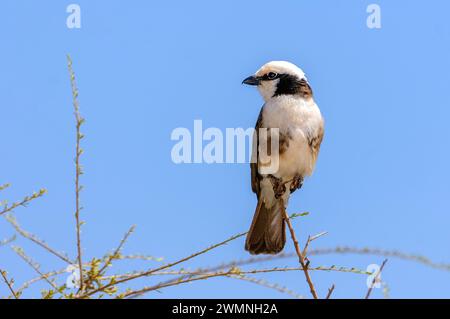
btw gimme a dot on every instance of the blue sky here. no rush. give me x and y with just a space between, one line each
145 68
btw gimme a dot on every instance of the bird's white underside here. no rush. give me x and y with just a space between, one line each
300 118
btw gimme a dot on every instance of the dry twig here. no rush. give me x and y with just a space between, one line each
7 241
151 271
267 284
4 186
36 240
78 169
116 253
9 283
23 202
301 258
19 251
330 291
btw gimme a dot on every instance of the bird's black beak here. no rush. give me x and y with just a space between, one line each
252 80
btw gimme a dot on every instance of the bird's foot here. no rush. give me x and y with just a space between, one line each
297 182
279 187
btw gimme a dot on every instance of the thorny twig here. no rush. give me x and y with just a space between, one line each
79 172
184 274
265 283
301 258
4 186
8 283
116 253
335 250
6 241
134 293
19 251
187 273
381 252
36 240
23 202
151 271
232 273
310 239
330 291
42 277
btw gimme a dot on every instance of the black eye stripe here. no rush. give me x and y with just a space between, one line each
291 85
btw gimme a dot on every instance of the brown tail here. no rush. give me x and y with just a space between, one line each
267 234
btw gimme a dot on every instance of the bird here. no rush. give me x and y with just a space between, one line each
289 107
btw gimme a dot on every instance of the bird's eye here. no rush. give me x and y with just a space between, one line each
271 75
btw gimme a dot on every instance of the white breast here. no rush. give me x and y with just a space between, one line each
300 118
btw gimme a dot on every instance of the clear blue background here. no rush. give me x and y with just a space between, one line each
145 68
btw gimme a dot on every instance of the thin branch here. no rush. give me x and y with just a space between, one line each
265 283
305 249
116 254
44 276
330 292
36 240
40 278
301 258
165 285
78 170
341 250
9 283
187 273
232 273
336 250
375 279
140 257
7 241
19 251
4 186
203 276
23 202
151 271
381 252
311 239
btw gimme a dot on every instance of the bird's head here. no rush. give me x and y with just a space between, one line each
280 78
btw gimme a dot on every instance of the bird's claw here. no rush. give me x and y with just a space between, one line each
297 182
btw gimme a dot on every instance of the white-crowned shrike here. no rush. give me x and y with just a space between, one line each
290 107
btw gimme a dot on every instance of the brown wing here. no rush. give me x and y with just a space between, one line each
315 141
256 177
267 234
